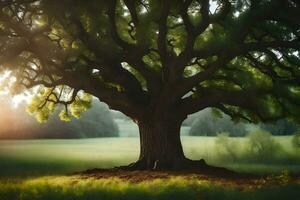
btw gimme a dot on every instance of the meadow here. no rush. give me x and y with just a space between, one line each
43 169
28 158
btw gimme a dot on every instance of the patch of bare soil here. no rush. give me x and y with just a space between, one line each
221 177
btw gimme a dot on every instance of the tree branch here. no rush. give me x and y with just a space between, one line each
113 25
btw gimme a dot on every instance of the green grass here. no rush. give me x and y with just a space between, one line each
25 163
47 157
72 188
23 158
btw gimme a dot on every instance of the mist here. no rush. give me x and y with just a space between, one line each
16 123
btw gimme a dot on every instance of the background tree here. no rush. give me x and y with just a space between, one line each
156 61
208 124
280 127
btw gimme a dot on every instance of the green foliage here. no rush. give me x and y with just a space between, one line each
262 144
216 113
44 103
259 147
281 179
64 115
41 108
81 104
227 146
296 140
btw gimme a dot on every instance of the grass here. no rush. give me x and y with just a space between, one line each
49 157
27 158
25 163
69 188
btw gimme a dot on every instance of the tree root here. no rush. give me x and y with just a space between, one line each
186 165
138 165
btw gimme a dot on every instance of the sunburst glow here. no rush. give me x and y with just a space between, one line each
6 81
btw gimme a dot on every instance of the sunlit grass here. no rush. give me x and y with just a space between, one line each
74 188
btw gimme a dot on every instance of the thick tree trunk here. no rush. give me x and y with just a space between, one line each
160 144
161 147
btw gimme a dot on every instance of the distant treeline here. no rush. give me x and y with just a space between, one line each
18 124
99 121
206 123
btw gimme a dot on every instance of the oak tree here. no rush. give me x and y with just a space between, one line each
157 61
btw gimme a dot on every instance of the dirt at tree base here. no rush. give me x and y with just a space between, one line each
225 178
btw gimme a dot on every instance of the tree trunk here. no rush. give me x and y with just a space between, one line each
160 146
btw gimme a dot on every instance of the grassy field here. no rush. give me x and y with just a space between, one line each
40 169
57 157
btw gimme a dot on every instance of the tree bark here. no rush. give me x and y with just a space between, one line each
160 146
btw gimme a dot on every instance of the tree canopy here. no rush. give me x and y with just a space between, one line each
240 56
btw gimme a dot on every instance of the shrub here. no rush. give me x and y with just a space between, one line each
296 140
262 145
280 179
227 147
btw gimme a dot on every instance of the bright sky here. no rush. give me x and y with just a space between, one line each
16 100
26 96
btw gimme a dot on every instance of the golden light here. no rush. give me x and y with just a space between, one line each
5 82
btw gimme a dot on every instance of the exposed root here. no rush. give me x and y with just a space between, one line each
138 165
138 172
186 166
